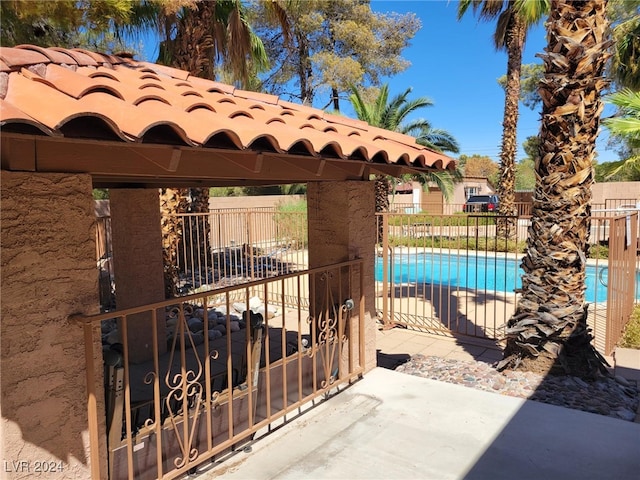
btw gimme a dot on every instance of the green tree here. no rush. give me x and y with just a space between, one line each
513 20
525 169
480 166
525 175
63 23
530 76
625 65
626 126
207 37
334 44
548 331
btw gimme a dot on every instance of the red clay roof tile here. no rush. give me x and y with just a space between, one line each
80 57
10 114
54 56
21 57
76 85
136 99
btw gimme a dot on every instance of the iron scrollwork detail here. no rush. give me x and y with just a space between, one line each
330 325
185 389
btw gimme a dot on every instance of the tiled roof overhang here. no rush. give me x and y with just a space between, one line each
129 122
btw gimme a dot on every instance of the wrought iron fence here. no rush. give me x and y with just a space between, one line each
224 247
460 274
449 274
233 246
220 369
523 209
622 283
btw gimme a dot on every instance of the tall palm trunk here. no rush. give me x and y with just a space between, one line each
172 202
199 225
516 33
193 50
304 70
549 329
382 188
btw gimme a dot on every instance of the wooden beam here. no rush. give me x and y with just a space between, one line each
169 164
18 153
354 168
315 166
119 163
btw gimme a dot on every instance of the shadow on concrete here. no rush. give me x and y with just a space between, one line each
391 361
452 308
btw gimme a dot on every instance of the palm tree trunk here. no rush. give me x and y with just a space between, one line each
304 70
548 330
382 188
199 225
335 98
516 32
172 202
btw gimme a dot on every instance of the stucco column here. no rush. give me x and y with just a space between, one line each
48 272
137 264
342 226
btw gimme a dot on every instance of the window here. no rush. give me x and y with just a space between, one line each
470 191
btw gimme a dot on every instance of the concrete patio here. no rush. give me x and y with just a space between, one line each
392 425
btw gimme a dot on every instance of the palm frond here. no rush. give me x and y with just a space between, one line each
439 140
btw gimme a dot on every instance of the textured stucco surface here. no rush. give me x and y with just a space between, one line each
612 190
137 263
48 272
341 228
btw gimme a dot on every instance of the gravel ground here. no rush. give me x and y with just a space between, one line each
613 397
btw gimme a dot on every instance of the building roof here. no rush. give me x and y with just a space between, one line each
140 122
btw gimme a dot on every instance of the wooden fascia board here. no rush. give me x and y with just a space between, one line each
124 159
116 162
117 182
391 169
18 153
313 165
353 168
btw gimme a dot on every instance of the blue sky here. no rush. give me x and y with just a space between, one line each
455 64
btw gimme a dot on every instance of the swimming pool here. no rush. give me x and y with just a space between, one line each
480 272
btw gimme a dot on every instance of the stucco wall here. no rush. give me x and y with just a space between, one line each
48 272
258 201
137 264
612 190
341 228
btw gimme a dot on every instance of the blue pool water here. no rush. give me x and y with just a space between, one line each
481 273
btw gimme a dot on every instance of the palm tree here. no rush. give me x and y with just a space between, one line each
196 35
626 59
390 115
626 125
513 20
548 331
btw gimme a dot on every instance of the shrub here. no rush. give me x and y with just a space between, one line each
631 334
598 251
465 243
291 221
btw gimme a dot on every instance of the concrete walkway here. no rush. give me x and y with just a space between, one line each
391 425
396 426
